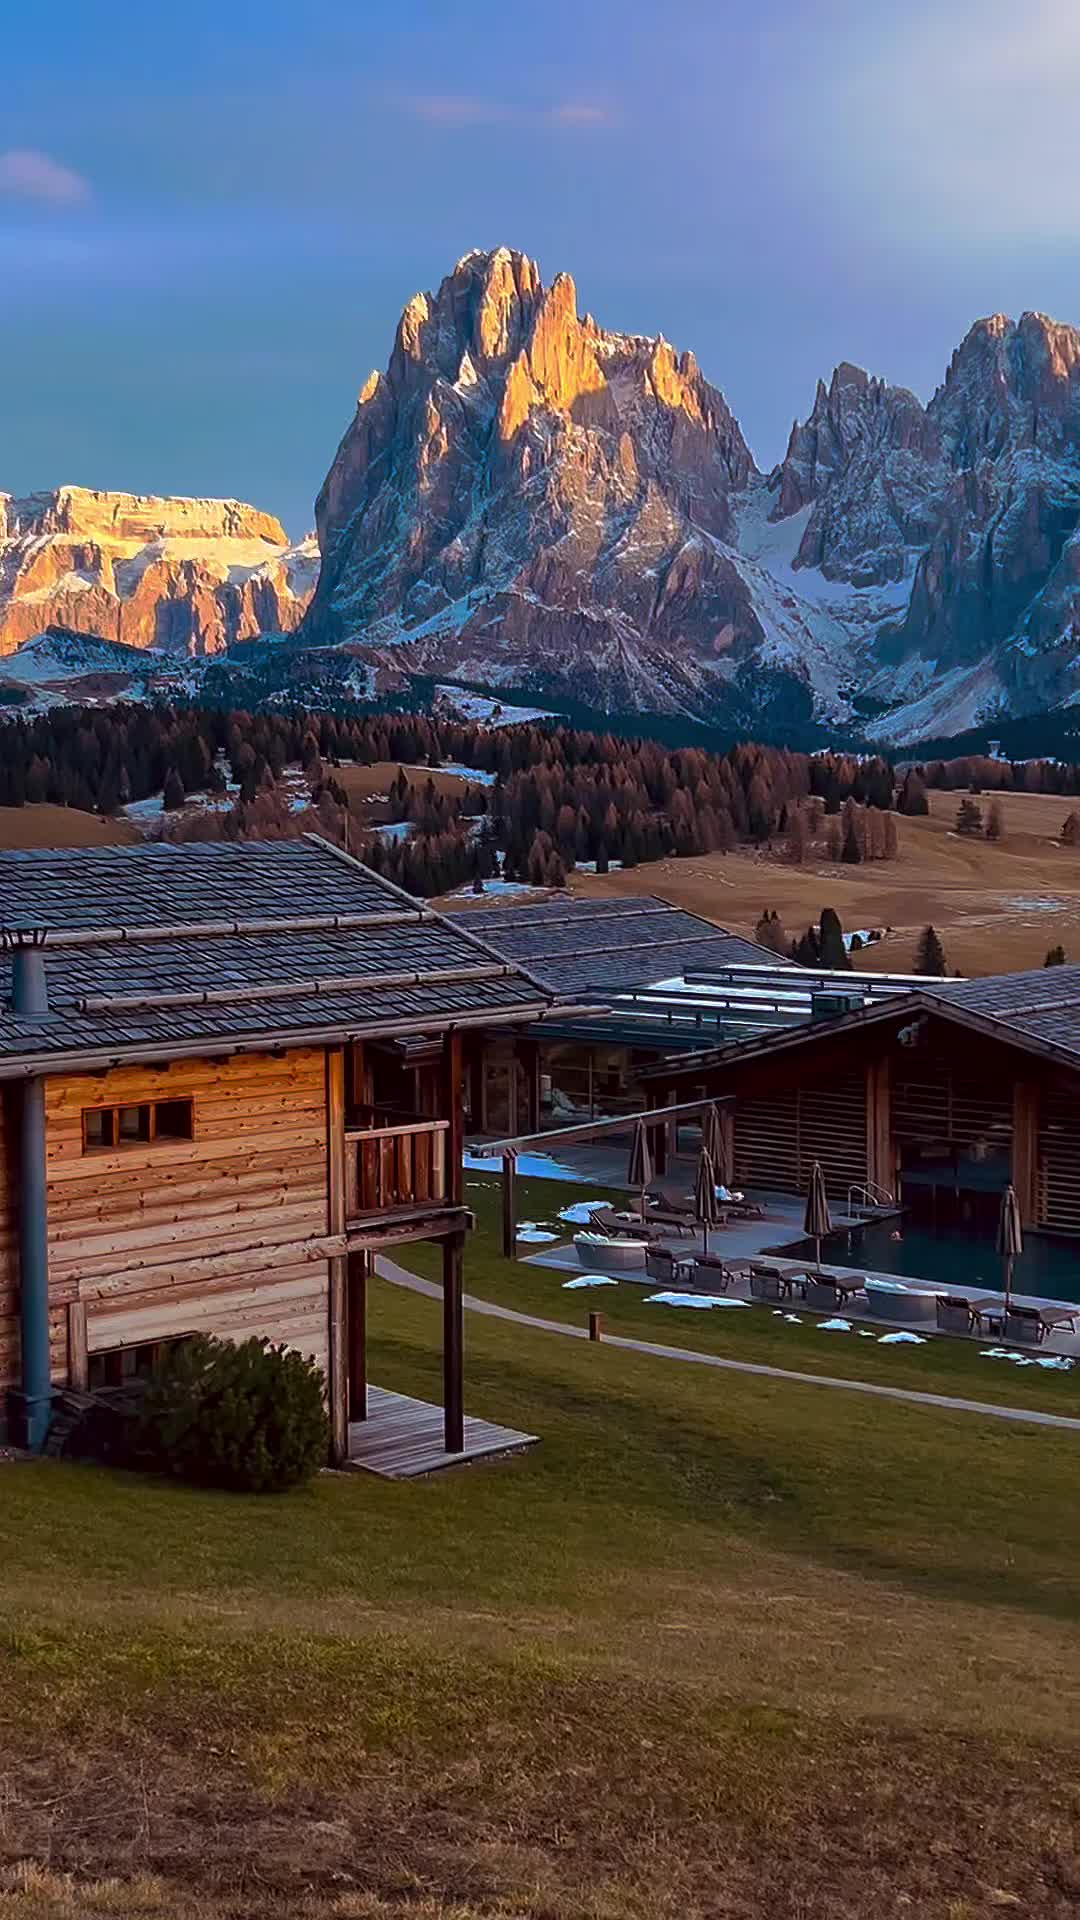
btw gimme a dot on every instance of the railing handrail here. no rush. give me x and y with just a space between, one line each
394 1133
873 1194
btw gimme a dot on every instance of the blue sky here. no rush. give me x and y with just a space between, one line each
211 216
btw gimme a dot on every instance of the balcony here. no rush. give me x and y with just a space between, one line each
397 1171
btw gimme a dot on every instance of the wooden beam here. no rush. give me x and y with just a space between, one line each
880 1153
509 1205
1025 1148
453 1345
390 1230
453 1110
358 1264
338 1382
78 1350
653 1117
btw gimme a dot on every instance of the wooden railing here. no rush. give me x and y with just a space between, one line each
394 1163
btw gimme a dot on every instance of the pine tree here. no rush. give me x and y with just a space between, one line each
1055 957
969 818
930 954
850 852
1070 832
173 796
834 954
995 823
912 797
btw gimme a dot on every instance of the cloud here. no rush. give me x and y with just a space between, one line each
455 110
965 114
26 174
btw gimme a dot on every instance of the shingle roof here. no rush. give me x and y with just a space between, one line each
578 945
175 948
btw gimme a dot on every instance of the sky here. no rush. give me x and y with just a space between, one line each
211 216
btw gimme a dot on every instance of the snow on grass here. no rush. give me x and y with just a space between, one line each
589 1280
901 1339
1055 1362
692 1300
497 889
581 1213
534 1235
834 1326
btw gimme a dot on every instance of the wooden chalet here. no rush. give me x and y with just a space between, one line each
937 1097
230 1074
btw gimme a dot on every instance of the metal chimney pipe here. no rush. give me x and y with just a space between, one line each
30 1001
29 986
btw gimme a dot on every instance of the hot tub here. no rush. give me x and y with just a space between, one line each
597 1252
899 1300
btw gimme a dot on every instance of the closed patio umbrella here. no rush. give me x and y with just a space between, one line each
713 1138
640 1172
706 1204
818 1220
1010 1237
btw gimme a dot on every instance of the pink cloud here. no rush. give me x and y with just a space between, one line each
26 174
464 110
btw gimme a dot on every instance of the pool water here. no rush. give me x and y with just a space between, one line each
1048 1266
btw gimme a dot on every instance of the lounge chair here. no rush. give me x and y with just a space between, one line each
954 1313
671 1200
827 1291
660 1264
712 1273
1025 1324
672 1222
607 1221
767 1283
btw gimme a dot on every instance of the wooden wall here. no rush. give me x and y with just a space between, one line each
218 1234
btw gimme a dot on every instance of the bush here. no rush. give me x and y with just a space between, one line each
250 1416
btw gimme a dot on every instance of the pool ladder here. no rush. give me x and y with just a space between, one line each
870 1196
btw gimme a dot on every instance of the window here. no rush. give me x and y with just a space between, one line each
152 1120
121 1365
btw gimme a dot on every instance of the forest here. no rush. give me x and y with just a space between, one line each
545 797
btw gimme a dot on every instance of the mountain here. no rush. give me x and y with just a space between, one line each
526 499
186 576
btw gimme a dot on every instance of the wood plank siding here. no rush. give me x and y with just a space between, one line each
780 1134
226 1233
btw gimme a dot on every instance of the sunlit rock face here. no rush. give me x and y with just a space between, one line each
189 576
523 497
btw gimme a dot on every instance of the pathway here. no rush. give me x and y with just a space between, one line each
940 1402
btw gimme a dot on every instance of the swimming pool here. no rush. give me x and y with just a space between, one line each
1049 1265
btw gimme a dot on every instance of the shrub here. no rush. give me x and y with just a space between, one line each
250 1416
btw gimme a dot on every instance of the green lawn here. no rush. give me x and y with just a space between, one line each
943 1365
717 1646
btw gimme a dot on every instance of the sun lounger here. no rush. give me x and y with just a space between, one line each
607 1221
711 1273
768 1283
1026 1324
673 1222
671 1200
955 1313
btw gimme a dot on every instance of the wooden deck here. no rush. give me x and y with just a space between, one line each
403 1438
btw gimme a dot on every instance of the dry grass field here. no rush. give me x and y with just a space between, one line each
49 826
368 786
997 906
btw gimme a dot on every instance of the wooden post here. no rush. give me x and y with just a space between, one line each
78 1355
528 1052
596 1326
358 1264
658 1138
453 1345
453 1110
880 1160
338 1376
509 1205
1025 1148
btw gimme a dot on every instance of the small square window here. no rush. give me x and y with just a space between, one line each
173 1120
99 1127
133 1123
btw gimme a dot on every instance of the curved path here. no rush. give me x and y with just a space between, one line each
940 1402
